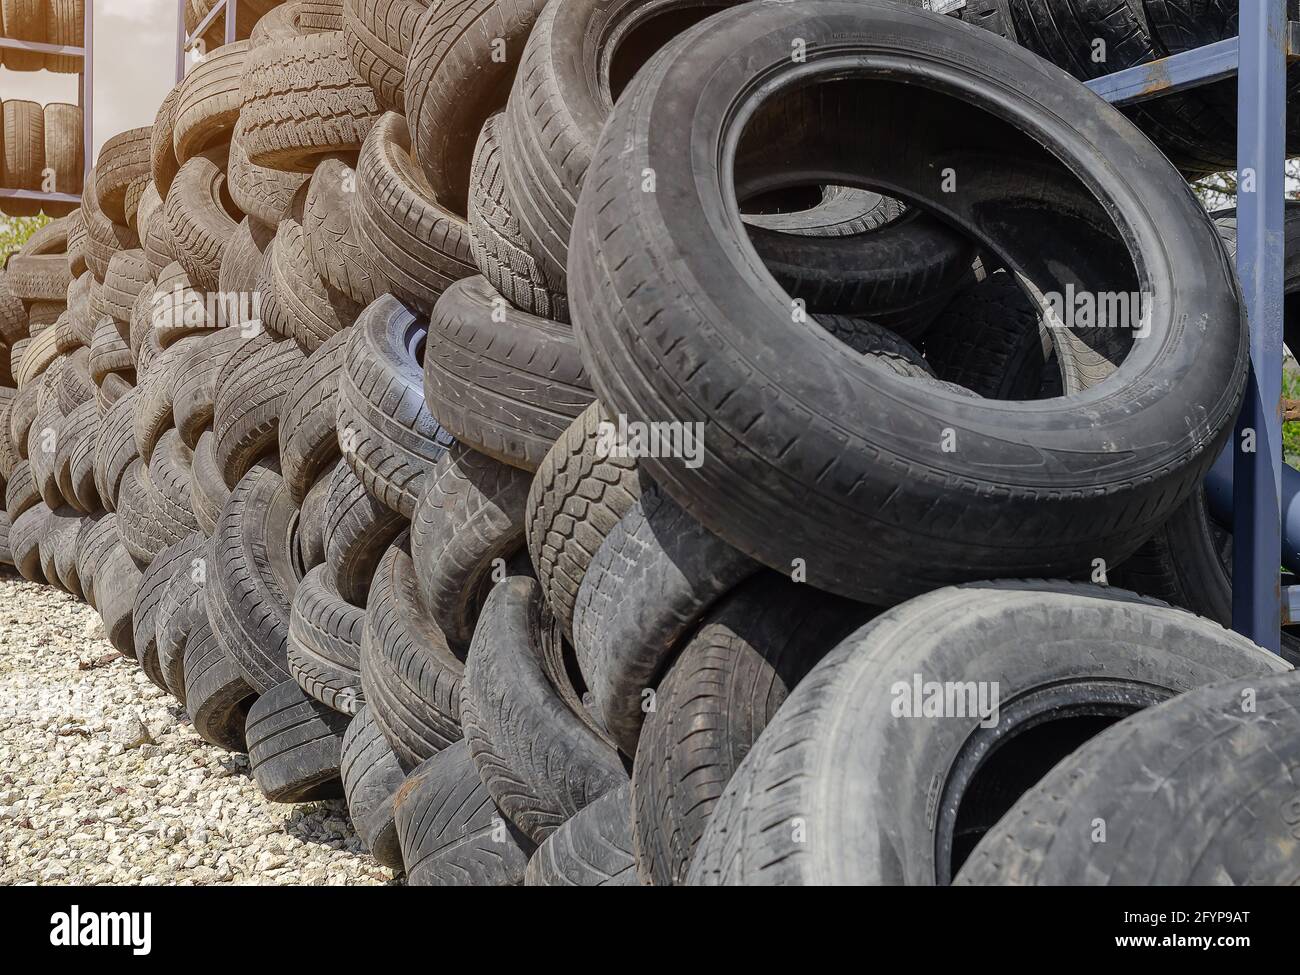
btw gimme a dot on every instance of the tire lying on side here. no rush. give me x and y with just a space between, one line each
451 833
1169 784
728 682
862 474
592 849
294 746
217 698
502 381
251 585
371 777
387 433
324 648
412 682
1064 660
540 760
652 579
470 521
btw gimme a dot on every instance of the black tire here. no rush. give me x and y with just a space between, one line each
496 240
208 104
577 497
59 549
180 608
116 448
251 390
122 160
329 235
1168 784
411 680
469 522
387 434
295 746
148 519
25 541
451 833
109 352
592 849
378 34
419 247
296 302
311 522
762 462
153 415
716 698
540 761
75 458
194 381
241 266
154 583
94 545
371 777
309 444
503 381
217 698
358 531
324 648
208 491
115 590
302 100
653 578
1066 660
264 194
462 61
251 585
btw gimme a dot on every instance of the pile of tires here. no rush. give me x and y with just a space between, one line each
543 427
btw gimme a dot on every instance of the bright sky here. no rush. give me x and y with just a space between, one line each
135 66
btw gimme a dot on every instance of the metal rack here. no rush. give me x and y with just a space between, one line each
184 41
1258 56
85 101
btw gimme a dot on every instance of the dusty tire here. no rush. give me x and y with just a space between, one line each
358 531
201 217
371 777
469 521
411 680
461 64
24 20
418 246
324 649
116 448
502 381
450 831
329 235
25 541
302 100
592 849
208 491
262 193
179 610
726 496
65 155
122 160
1057 687
719 694
1170 782
309 445
23 158
251 586
251 391
378 35
652 579
115 592
577 497
208 104
294 746
162 152
217 698
387 434
154 582
194 381
241 266
540 761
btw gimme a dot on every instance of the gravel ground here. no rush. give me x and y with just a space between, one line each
88 796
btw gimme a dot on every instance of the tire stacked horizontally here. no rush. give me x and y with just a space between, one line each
329 398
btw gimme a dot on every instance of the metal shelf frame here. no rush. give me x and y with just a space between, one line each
1258 56
85 101
185 42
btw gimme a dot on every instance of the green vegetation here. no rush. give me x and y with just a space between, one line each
14 232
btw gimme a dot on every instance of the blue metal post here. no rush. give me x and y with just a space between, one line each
1261 185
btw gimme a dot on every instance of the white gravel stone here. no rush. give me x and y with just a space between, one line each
86 799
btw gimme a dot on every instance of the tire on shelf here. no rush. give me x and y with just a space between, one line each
25 20
65 148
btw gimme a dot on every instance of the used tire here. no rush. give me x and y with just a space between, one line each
848 482
469 522
208 104
251 390
358 531
295 746
371 777
201 217
309 445
122 160
1059 681
251 585
378 35
451 833
502 381
217 698
592 849
324 648
1169 784
540 761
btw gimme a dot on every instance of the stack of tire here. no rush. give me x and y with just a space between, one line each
346 388
40 146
